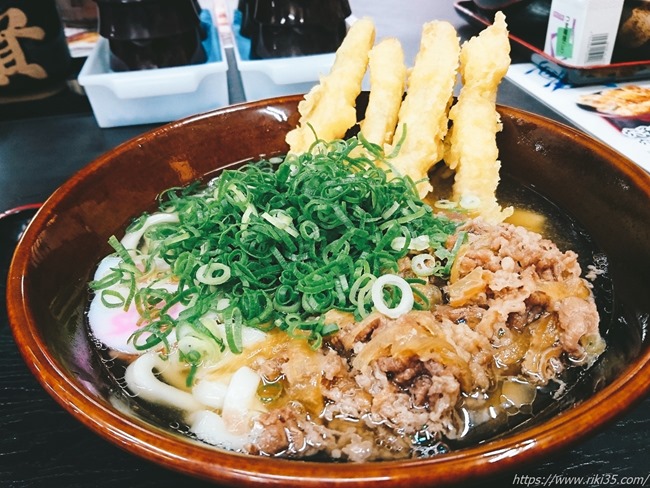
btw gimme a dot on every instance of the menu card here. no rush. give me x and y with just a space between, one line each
81 41
616 113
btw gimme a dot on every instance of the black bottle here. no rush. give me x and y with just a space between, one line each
34 56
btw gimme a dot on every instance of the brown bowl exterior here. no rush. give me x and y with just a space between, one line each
47 292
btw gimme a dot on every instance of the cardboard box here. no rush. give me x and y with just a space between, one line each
583 32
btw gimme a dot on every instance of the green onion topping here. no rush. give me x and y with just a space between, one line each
277 245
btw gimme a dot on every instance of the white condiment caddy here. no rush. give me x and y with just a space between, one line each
265 78
156 95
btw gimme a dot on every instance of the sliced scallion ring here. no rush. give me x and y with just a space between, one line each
405 304
423 264
445 204
470 202
213 273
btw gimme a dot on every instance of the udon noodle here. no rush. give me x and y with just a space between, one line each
316 306
280 316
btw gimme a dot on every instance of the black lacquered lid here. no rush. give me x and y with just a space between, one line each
146 19
300 12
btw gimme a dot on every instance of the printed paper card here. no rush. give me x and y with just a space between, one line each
617 113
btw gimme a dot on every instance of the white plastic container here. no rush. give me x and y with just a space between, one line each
266 78
156 95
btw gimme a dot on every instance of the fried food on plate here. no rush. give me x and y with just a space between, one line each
387 80
423 113
328 110
624 101
471 147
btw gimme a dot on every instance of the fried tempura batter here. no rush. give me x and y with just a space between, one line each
471 147
329 107
419 123
387 80
424 110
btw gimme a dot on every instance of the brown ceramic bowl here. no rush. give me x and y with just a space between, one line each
607 196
